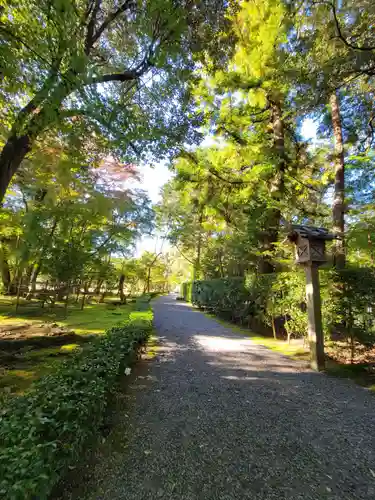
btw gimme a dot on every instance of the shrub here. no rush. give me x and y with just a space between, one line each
43 432
262 297
285 299
348 301
186 290
349 305
221 296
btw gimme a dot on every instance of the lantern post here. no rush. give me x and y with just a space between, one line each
310 253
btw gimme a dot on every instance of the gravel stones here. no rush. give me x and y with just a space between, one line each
215 417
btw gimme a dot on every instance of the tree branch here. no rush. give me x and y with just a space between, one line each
183 256
91 26
307 186
214 173
234 135
339 31
124 76
94 36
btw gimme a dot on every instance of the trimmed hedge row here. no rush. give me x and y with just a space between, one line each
186 290
278 301
43 432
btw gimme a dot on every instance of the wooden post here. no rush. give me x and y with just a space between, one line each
315 328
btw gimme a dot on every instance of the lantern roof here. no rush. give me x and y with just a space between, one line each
310 233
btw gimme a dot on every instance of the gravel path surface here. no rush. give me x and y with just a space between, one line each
216 417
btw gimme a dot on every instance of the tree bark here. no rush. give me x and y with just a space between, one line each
5 271
98 287
149 279
14 151
121 289
28 274
276 189
38 265
197 262
34 277
338 210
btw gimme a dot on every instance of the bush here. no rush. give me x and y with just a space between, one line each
283 296
349 305
43 432
186 290
221 296
270 299
278 301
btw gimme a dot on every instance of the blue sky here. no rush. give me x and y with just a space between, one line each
152 180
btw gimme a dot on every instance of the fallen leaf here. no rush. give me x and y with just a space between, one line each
128 371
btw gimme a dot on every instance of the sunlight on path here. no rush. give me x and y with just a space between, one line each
214 416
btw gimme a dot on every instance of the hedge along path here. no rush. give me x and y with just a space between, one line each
43 433
214 416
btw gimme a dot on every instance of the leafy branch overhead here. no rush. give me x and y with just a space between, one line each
124 61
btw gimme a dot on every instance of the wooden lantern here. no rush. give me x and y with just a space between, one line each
310 245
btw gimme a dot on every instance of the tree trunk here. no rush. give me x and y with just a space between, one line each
42 110
14 151
38 265
121 289
276 189
197 263
18 292
98 287
338 211
274 331
34 277
148 280
5 271
29 272
77 292
67 299
86 289
371 248
221 267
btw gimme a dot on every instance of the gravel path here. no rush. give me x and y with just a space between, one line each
216 417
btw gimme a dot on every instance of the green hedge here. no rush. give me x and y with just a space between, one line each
220 295
186 290
349 303
278 300
43 432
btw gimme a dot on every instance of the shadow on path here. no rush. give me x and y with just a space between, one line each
214 416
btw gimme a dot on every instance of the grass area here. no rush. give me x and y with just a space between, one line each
95 318
21 363
359 373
